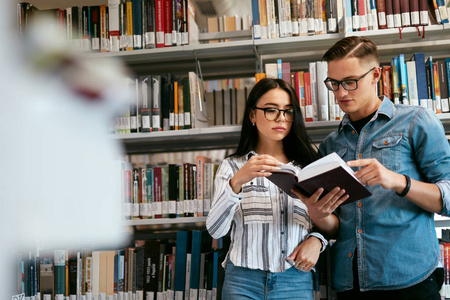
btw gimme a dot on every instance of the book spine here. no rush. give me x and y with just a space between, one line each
322 91
412 83
437 92
443 85
165 190
60 272
308 101
159 23
405 13
157 204
381 13
419 59
114 33
156 103
167 23
149 25
397 13
256 20
423 12
123 40
129 28
263 19
185 32
414 12
174 182
137 24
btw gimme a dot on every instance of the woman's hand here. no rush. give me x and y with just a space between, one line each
305 255
256 166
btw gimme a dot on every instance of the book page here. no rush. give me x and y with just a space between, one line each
326 163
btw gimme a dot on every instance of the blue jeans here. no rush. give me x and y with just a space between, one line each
243 283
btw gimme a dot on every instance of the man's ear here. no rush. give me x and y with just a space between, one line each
377 72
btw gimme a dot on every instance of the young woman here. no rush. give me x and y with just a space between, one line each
273 243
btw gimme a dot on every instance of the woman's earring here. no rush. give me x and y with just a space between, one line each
253 124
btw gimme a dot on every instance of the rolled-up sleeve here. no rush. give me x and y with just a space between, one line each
322 239
444 186
432 152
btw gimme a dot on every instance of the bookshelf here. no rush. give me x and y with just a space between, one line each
219 137
243 58
246 57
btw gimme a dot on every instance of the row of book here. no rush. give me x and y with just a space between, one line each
163 102
316 102
185 265
417 81
122 25
168 191
284 18
166 102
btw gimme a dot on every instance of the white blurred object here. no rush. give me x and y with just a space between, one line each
59 181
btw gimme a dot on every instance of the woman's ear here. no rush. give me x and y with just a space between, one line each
252 116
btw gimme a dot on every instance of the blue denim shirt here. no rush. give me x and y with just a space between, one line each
395 239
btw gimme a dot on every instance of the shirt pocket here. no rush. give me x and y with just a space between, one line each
256 202
387 150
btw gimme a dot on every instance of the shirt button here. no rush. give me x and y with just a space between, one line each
251 182
353 132
282 212
385 142
282 232
359 204
359 155
359 230
350 254
282 251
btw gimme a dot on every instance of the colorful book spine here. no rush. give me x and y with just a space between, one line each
437 92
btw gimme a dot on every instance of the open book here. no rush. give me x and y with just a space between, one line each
328 172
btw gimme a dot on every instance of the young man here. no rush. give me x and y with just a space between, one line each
386 244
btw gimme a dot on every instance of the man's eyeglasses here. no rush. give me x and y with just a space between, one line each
348 84
272 113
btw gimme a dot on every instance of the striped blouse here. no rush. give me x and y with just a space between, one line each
267 223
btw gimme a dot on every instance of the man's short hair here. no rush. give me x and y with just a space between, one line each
353 46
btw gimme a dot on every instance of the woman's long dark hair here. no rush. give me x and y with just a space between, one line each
297 145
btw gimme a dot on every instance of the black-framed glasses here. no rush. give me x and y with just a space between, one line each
348 84
272 113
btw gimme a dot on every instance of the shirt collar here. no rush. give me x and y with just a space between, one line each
251 153
386 108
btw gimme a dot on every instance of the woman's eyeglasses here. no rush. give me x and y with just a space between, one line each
272 113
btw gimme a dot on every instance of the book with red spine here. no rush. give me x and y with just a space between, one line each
168 23
308 99
159 23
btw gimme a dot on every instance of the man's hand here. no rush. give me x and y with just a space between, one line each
373 172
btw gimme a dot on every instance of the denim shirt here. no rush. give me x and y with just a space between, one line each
395 239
